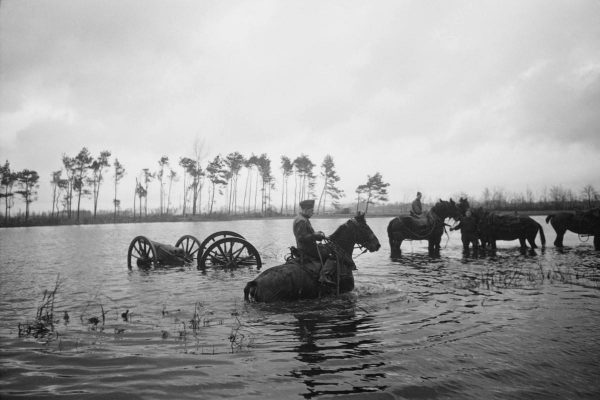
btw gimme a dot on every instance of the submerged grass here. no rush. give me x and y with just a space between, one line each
528 276
43 324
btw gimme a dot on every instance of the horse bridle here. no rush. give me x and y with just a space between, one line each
356 234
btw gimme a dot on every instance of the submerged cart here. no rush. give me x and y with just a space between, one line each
225 249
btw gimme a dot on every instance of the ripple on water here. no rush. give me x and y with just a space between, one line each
491 325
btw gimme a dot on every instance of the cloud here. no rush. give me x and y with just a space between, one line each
421 92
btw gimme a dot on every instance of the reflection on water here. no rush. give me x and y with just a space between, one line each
334 346
501 324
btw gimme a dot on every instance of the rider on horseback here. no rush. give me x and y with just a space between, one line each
306 240
416 207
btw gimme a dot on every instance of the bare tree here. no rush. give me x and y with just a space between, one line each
119 173
147 177
163 163
172 178
198 175
57 184
589 194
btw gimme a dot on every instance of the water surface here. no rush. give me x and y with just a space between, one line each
503 325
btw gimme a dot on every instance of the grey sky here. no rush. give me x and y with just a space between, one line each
443 97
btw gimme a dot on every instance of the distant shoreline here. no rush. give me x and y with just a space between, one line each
105 219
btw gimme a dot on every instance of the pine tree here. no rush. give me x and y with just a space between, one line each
375 190
81 166
97 167
330 178
27 180
287 168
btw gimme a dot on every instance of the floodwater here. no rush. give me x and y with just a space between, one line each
503 325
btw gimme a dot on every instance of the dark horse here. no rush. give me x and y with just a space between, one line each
583 223
492 226
430 227
296 280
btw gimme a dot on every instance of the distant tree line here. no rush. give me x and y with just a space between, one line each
553 198
17 183
82 176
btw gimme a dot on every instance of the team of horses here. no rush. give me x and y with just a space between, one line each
298 278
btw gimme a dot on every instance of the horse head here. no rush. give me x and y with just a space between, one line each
356 231
447 209
364 234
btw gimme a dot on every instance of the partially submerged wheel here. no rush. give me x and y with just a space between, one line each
142 250
191 247
213 238
230 252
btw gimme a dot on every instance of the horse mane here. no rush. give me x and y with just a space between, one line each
338 231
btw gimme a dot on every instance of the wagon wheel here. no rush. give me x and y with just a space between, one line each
230 252
191 246
213 238
143 250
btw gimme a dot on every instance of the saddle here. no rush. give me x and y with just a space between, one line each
422 221
299 257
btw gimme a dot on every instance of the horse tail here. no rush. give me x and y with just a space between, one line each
549 217
250 290
389 228
542 236
390 232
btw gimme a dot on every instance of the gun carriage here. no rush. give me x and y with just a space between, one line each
225 249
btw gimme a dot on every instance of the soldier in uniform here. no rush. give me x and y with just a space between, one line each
306 240
468 231
416 207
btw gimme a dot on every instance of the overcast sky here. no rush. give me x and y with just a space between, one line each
438 96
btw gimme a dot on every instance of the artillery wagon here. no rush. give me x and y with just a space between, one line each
225 249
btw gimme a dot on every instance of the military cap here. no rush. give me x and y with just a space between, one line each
305 204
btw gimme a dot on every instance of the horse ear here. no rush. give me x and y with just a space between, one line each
360 216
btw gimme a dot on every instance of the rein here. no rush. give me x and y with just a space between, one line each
339 251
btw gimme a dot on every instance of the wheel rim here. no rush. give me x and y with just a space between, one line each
210 239
229 253
191 247
141 252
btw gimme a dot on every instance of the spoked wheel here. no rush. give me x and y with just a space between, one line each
230 252
210 239
191 247
142 250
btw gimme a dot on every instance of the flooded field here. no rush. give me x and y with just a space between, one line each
503 325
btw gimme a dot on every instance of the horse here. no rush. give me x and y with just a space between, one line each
430 227
492 227
582 222
299 279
